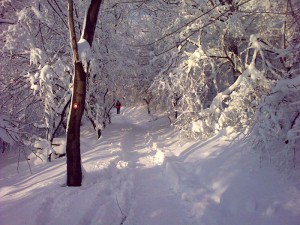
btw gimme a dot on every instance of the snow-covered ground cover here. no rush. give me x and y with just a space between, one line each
142 172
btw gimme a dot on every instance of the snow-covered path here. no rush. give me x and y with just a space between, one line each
145 173
151 200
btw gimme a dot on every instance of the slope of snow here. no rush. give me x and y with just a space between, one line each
142 172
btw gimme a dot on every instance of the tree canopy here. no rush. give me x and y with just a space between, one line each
208 65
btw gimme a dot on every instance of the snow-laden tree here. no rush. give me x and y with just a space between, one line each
276 133
38 43
18 106
146 22
235 64
37 69
110 67
206 64
223 62
80 62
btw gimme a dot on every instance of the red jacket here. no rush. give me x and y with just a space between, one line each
118 105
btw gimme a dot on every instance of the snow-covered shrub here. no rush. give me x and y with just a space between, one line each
206 106
51 85
35 70
277 131
42 149
236 105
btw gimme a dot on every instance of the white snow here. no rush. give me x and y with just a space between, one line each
84 51
143 172
36 56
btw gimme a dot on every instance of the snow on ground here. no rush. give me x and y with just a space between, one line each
143 172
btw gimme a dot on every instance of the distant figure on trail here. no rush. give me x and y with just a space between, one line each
118 106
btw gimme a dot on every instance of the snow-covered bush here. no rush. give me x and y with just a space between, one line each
51 85
277 131
204 106
42 150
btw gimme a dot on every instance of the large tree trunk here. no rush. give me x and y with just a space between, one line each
74 173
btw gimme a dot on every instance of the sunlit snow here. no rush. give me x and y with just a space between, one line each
143 172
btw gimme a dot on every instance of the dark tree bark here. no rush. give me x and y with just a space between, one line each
91 21
74 173
148 100
175 103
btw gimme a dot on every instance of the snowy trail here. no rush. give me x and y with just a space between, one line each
151 200
145 173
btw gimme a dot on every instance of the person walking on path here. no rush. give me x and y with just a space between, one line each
118 106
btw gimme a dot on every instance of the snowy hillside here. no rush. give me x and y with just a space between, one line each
142 172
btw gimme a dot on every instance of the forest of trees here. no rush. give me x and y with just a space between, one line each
208 65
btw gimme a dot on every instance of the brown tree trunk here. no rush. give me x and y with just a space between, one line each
74 173
91 21
148 100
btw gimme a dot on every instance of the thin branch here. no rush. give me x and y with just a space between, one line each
124 217
72 31
59 15
179 28
27 161
62 116
268 12
8 21
197 30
